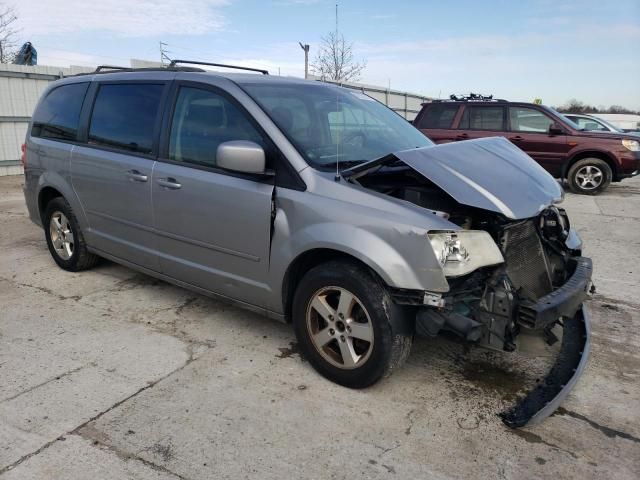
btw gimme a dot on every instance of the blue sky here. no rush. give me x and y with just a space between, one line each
519 50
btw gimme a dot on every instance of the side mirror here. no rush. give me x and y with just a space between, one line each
556 129
241 156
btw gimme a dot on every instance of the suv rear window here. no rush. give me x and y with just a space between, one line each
58 115
124 116
438 116
482 118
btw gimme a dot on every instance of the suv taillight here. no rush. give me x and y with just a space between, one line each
23 157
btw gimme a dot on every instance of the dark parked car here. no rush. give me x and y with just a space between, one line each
588 160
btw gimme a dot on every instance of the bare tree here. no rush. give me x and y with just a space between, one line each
335 60
7 33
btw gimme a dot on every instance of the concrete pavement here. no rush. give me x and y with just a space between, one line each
112 374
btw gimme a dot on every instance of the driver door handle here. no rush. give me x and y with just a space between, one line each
170 183
462 136
136 176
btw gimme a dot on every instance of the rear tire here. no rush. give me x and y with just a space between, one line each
342 318
64 237
589 176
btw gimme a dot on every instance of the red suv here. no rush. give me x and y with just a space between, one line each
588 160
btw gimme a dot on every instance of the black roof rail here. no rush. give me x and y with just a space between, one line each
100 68
194 62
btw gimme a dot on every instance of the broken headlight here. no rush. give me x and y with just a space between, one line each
463 252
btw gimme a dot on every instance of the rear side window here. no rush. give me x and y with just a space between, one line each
482 118
124 116
58 115
438 116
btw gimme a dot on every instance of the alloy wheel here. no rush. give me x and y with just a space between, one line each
589 177
340 327
61 235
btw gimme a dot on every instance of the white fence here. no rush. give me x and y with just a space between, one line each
405 103
20 89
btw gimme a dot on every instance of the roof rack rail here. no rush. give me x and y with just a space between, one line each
194 62
471 97
100 68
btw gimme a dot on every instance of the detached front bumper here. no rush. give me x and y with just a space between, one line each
565 301
543 400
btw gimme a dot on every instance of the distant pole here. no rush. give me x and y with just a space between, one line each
305 47
336 19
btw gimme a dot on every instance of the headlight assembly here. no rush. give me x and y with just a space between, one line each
632 145
464 251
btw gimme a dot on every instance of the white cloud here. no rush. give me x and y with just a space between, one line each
130 18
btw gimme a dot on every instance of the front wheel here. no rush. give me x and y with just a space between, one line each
342 318
589 176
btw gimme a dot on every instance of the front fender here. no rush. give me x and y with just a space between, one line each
400 255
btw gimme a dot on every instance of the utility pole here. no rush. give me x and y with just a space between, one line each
163 54
305 47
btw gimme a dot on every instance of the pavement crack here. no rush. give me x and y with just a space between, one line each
609 432
57 377
533 438
76 430
411 421
48 291
127 456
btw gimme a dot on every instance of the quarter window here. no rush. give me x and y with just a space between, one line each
124 116
58 115
438 116
201 122
525 119
482 118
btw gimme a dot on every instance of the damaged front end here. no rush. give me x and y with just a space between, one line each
541 284
513 264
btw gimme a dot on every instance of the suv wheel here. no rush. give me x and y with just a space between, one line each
64 238
342 319
589 176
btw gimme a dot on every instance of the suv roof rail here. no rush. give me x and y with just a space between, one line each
471 97
100 68
237 67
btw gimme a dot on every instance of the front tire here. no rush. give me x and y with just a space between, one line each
64 237
589 176
342 318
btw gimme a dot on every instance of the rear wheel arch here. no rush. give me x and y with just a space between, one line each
44 197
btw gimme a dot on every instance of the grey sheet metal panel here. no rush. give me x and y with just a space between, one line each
488 173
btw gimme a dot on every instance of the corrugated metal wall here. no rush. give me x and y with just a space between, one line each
406 104
20 89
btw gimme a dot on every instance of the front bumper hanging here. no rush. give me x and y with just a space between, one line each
543 400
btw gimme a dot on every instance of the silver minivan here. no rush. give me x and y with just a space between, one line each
315 205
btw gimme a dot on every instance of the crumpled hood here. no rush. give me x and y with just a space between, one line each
488 173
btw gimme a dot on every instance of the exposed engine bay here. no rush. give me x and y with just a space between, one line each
541 283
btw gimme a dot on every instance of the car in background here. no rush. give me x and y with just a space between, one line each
589 161
589 123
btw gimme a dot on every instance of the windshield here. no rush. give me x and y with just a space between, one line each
329 124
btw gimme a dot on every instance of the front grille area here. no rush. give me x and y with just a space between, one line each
526 262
